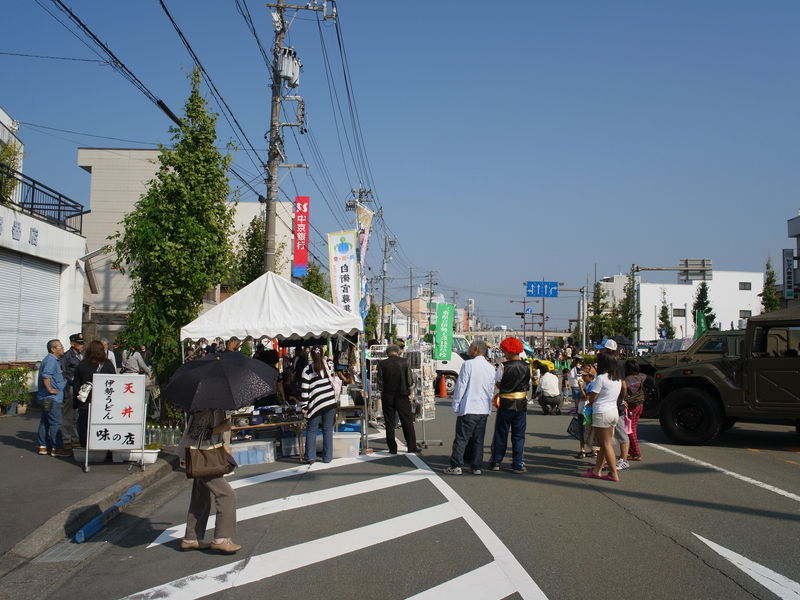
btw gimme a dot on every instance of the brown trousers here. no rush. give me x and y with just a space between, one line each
200 508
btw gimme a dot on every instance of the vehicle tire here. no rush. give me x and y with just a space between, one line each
727 423
690 416
450 382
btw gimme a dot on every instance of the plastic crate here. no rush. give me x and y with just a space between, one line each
254 453
346 444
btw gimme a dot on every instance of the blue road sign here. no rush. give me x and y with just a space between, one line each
528 311
541 289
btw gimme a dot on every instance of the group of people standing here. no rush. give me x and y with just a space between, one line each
613 393
63 423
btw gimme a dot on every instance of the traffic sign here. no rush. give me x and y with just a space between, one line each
528 311
541 289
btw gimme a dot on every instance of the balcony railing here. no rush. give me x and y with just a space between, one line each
37 199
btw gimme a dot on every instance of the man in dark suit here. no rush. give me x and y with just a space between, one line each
397 394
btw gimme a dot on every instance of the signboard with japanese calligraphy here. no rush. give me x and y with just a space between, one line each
788 273
443 334
301 236
345 281
541 289
117 416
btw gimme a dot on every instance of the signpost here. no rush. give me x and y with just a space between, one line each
788 273
117 414
541 289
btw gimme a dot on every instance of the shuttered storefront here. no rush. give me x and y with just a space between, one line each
29 296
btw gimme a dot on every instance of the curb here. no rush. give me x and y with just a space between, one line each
66 523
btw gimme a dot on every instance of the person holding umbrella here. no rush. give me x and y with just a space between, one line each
203 430
206 389
316 390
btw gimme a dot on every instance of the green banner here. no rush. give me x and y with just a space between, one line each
700 325
443 340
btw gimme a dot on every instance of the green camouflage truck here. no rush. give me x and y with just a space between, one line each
758 381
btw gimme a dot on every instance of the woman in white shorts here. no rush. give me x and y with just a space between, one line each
608 386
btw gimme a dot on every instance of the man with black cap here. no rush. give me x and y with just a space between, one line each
69 362
513 381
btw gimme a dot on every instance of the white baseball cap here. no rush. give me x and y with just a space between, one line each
607 344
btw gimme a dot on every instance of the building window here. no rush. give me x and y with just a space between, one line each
745 314
745 285
678 312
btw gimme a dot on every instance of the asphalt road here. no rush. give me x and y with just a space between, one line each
719 521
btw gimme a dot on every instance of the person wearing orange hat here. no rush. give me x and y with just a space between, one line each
513 381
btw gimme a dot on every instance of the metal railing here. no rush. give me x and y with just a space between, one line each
35 198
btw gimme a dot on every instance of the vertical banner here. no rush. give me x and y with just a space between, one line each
301 225
364 216
788 273
343 267
117 415
443 338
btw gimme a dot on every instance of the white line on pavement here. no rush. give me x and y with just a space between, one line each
303 469
781 586
520 580
745 478
302 500
256 568
485 583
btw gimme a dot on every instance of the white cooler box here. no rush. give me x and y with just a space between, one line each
346 444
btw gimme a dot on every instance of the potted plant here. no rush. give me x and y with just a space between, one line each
14 390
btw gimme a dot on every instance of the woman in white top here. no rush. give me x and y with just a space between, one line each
609 386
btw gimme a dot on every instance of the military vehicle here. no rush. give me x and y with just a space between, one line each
759 382
712 344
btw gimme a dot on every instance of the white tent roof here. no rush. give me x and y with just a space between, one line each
272 307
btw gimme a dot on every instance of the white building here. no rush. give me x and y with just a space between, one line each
734 295
41 271
119 177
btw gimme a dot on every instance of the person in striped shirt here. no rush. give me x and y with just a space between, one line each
316 391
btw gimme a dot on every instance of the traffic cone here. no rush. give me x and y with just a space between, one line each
442 386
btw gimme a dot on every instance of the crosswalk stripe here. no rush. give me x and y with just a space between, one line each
256 568
302 500
303 469
525 586
485 583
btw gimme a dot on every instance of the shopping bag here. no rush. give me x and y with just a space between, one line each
574 428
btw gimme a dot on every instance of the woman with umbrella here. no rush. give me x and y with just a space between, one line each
206 389
318 393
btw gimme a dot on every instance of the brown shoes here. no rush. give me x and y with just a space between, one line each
60 452
226 546
43 450
193 545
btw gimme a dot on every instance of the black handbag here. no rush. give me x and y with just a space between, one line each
574 428
208 463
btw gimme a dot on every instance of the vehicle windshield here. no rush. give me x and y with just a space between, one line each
460 345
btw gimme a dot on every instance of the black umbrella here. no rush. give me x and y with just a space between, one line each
226 381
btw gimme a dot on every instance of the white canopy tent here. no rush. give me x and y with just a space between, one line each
276 308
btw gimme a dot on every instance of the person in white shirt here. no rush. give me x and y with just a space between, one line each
109 354
472 403
549 392
608 387
574 380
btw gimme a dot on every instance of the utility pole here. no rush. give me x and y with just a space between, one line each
274 137
430 275
411 303
387 242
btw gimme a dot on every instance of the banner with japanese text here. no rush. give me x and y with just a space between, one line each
443 334
343 266
301 236
117 416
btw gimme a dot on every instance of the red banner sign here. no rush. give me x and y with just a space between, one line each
301 236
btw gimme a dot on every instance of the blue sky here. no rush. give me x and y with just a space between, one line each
521 141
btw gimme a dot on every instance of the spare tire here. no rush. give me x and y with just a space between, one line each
690 416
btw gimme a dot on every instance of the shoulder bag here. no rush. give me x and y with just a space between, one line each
208 463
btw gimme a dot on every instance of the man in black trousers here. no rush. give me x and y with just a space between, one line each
397 393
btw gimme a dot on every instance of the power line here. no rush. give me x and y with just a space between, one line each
92 60
103 137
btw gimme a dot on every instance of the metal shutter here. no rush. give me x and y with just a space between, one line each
10 292
38 309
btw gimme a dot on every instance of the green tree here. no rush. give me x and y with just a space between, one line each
371 322
316 282
769 296
557 342
664 317
599 320
175 242
10 156
249 263
702 302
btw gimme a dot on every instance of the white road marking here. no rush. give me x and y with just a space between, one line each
302 469
302 500
522 582
485 583
283 560
781 586
745 478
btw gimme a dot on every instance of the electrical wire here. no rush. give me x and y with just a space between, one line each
92 60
